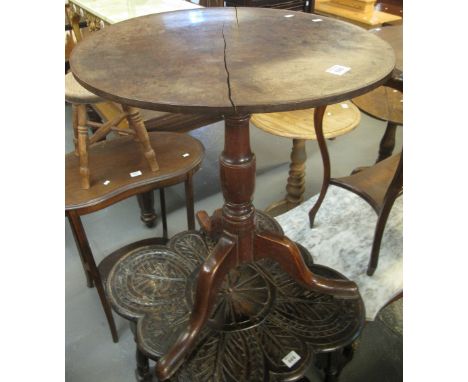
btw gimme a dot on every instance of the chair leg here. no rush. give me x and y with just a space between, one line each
83 146
318 123
75 128
137 124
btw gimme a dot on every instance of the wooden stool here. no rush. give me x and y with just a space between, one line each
79 97
119 174
299 125
385 104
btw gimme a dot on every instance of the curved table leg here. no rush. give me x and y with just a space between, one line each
209 280
318 123
288 256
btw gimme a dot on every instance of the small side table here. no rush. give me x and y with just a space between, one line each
119 174
299 125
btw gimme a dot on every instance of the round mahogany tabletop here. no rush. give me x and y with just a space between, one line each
228 60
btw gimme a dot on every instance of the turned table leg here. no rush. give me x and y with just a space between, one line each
147 212
296 180
83 145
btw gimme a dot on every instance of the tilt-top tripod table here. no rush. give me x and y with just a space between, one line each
232 62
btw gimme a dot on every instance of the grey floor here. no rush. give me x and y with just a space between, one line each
90 353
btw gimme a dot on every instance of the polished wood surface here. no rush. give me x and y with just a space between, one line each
206 51
382 103
339 119
117 169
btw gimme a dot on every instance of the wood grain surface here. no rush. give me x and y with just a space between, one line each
227 60
339 119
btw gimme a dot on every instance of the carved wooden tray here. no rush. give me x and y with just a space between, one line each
261 315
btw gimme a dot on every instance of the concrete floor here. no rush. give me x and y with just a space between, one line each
90 353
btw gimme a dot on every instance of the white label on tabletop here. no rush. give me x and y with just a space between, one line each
106 182
288 15
185 155
339 70
345 106
328 113
316 20
291 359
135 173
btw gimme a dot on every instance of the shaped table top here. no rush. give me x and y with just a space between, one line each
228 60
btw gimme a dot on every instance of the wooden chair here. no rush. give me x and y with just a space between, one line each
299 125
79 97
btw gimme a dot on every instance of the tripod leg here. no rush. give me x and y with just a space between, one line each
288 256
212 273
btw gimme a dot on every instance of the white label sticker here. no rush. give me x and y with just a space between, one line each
345 106
106 182
339 70
288 15
291 359
185 155
317 20
135 173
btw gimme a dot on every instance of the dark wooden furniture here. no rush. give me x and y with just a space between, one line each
179 157
230 62
379 186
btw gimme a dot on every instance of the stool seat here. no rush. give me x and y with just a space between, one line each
339 119
116 159
77 94
382 103
342 239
